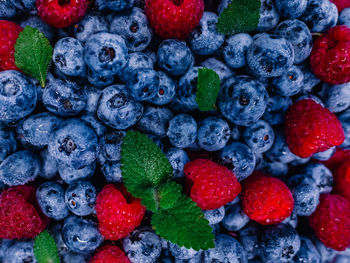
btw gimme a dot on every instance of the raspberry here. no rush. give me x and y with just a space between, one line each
311 128
342 180
337 159
110 254
330 59
18 213
341 4
211 185
174 18
61 13
118 214
9 32
331 221
266 199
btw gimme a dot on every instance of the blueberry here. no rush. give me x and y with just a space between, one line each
74 143
299 35
93 95
106 53
291 220
242 100
214 216
24 5
118 109
95 123
235 219
235 133
92 23
269 55
269 16
344 17
166 89
50 197
178 159
4 245
321 175
310 80
72 257
289 83
234 51
276 169
307 252
81 235
143 84
344 119
64 98
18 96
204 39
276 109
327 254
222 5
112 171
249 238
280 151
142 246
259 136
20 252
291 9
305 194
182 252
213 134
227 249
133 26
325 155
48 165
7 9
80 198
68 56
219 67
240 158
182 131
174 57
279 243
336 97
137 61
37 22
115 5
111 145
70 175
99 81
8 144
320 15
19 168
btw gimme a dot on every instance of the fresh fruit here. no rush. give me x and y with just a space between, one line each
9 32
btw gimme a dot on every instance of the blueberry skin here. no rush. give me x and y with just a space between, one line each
182 253
182 131
37 22
240 157
4 245
115 5
234 51
143 84
276 169
299 35
19 252
142 246
24 5
242 100
235 219
92 23
213 134
280 151
137 61
8 144
18 96
81 235
336 97
49 167
178 159
327 254
196 259
134 27
325 155
269 16
72 257
118 109
74 143
50 197
310 80
249 238
342 259
320 15
305 194
166 90
19 168
279 243
174 57
204 39
321 175
344 17
219 67
344 119
227 249
155 121
68 56
111 145
214 216
276 109
289 83
95 123
98 81
112 171
7 9
292 220
80 198
291 9
64 98
93 95
70 175
106 53
259 136
307 252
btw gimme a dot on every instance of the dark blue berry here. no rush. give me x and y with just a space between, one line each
8 144
214 216
325 155
213 134
235 50
155 121
49 167
166 89
344 119
235 219
95 123
80 198
143 84
219 67
280 151
307 252
20 252
344 17
276 109
98 80
268 17
111 145
69 174
178 159
182 131
249 238
289 83
37 22
114 5
137 61
92 23
259 136
321 175
182 253
291 8
336 97
112 171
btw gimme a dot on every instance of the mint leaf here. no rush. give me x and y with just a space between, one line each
33 54
239 16
45 249
184 225
208 88
169 194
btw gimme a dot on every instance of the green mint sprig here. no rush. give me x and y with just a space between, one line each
33 54
147 175
45 249
208 87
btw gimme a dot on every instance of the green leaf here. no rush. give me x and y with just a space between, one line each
208 88
184 225
239 16
169 194
45 249
33 54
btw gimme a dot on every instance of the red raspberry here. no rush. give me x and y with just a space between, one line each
211 185
174 18
18 213
331 221
110 254
337 159
118 214
266 199
311 128
330 56
342 180
341 4
9 32
61 13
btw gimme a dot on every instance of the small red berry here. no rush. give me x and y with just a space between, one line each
110 254
9 32
341 4
342 180
337 159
